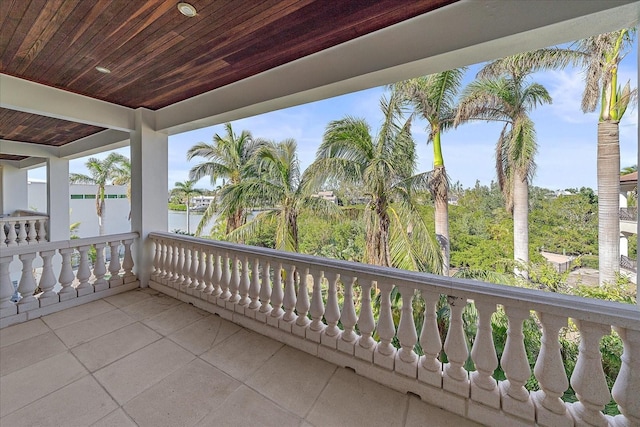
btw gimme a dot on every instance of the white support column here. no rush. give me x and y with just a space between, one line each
149 181
58 198
13 183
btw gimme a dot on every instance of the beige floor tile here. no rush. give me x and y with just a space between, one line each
175 318
30 351
131 375
78 404
127 298
246 407
204 334
352 400
77 314
293 379
419 412
108 348
29 384
87 330
151 306
115 419
242 353
182 398
22 331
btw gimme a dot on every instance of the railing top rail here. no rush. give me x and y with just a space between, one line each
62 244
23 218
617 314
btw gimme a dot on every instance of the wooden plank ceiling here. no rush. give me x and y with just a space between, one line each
158 57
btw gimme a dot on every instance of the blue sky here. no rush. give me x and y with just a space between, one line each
566 137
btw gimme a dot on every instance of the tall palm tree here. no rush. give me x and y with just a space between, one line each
101 172
599 56
278 185
505 95
228 157
382 167
186 190
122 176
433 97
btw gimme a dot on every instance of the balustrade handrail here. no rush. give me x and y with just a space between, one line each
14 218
629 214
62 244
613 313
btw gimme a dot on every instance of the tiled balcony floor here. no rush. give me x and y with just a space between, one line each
142 358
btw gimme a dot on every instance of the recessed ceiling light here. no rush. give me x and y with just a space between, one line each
103 70
187 10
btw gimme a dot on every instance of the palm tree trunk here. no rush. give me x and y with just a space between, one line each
521 225
608 201
441 196
188 218
101 215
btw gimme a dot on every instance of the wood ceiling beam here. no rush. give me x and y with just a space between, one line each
463 33
29 97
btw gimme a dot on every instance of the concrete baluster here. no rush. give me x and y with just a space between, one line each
484 388
207 271
42 231
627 386
588 379
22 232
234 284
216 275
100 269
515 397
66 276
384 353
549 371
406 362
317 308
32 234
265 293
155 264
430 367
277 296
47 279
127 262
84 272
193 269
177 261
186 276
3 236
27 284
254 287
289 300
114 265
7 307
331 333
348 317
366 324
226 279
302 305
202 261
243 286
454 377
12 236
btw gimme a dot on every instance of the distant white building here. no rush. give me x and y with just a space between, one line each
326 195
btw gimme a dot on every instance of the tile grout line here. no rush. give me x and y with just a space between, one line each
335 370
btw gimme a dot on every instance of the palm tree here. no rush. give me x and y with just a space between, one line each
505 95
382 167
122 176
101 171
599 56
228 157
628 169
279 185
433 97
186 190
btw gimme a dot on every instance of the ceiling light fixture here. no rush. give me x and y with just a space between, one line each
103 70
187 10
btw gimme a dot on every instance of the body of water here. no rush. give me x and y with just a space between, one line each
178 221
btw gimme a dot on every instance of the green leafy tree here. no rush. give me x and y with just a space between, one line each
277 184
505 94
100 173
382 165
227 158
433 97
186 190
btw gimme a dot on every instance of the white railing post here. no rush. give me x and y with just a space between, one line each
254 289
42 231
265 293
302 306
366 345
100 269
243 286
3 236
331 333
317 308
66 276
127 262
27 284
186 266
7 307
289 300
484 388
515 397
454 377
430 367
384 353
12 236
626 389
549 371
84 272
204 271
226 279
22 232
114 264
277 296
348 317
47 280
406 361
32 234
216 277
588 379
234 283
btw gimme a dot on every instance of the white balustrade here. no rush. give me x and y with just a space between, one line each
23 229
114 264
73 281
299 295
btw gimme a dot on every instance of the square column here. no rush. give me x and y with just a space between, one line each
149 183
58 198
14 186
